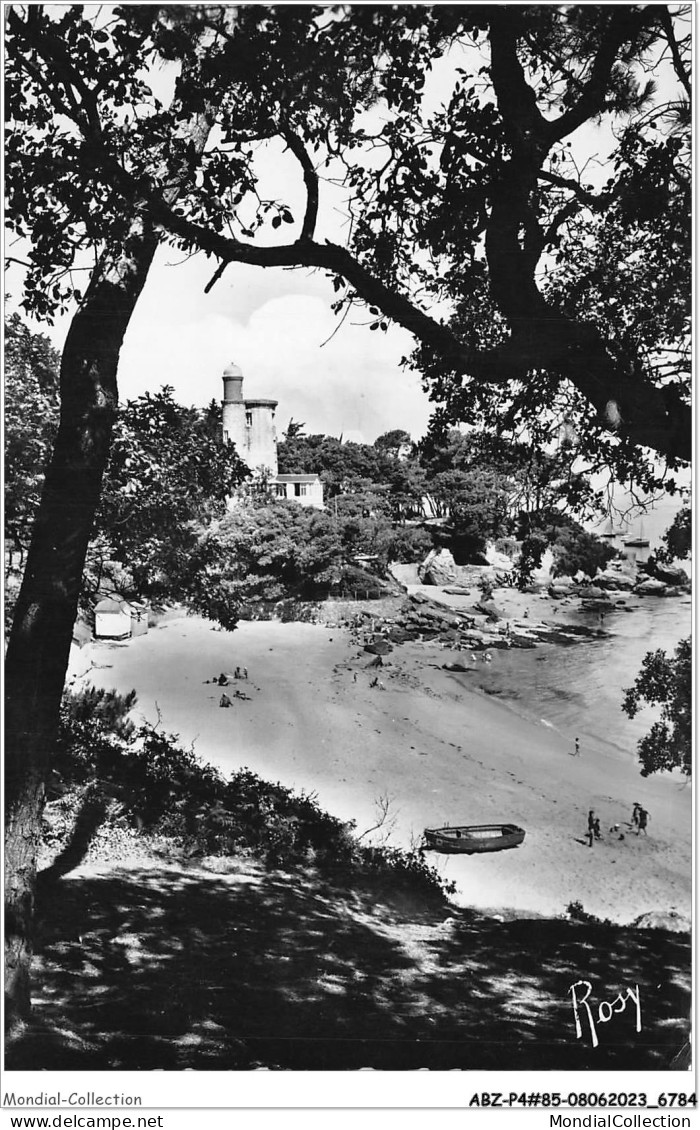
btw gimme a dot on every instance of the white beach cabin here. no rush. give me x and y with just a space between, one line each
113 619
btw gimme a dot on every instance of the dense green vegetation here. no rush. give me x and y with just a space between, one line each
31 406
665 681
163 530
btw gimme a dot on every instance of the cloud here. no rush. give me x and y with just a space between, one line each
274 325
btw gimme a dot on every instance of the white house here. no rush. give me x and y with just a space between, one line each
113 619
119 619
307 490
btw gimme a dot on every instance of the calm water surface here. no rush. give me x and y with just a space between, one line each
578 690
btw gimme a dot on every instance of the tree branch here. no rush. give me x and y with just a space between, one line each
592 200
625 24
649 416
299 150
517 101
667 24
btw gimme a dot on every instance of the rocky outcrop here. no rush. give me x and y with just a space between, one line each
611 580
669 574
561 588
439 568
664 920
651 587
379 646
489 610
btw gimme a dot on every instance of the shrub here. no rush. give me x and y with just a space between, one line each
531 553
575 550
486 587
357 581
410 544
167 790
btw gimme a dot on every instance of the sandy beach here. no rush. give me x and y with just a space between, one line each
440 751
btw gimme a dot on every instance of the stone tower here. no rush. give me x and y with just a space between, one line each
250 424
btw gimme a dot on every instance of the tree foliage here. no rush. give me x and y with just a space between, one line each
665 681
31 406
678 539
568 293
169 476
279 550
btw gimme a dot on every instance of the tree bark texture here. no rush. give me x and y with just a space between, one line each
39 646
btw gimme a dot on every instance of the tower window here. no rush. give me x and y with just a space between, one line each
249 419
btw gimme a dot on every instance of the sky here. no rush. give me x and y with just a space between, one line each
278 327
272 323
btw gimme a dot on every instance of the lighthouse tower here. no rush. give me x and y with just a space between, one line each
250 424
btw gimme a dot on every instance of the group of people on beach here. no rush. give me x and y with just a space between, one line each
640 819
223 680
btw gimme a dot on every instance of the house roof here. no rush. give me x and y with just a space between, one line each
297 479
113 604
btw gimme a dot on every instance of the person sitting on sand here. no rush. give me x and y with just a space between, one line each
222 680
225 700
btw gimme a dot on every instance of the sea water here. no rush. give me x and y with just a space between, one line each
577 689
629 522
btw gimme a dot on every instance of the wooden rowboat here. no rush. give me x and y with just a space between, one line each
467 839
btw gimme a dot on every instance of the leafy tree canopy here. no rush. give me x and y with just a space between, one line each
31 409
278 550
563 286
678 539
666 681
170 473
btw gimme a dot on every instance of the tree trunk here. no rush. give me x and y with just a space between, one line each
39 646
42 630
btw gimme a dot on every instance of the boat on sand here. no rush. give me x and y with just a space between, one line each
466 839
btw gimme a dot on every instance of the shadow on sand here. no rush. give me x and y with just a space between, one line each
172 968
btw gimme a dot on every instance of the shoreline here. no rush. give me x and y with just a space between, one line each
441 751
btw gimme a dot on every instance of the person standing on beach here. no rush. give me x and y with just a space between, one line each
635 813
577 748
643 819
591 825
